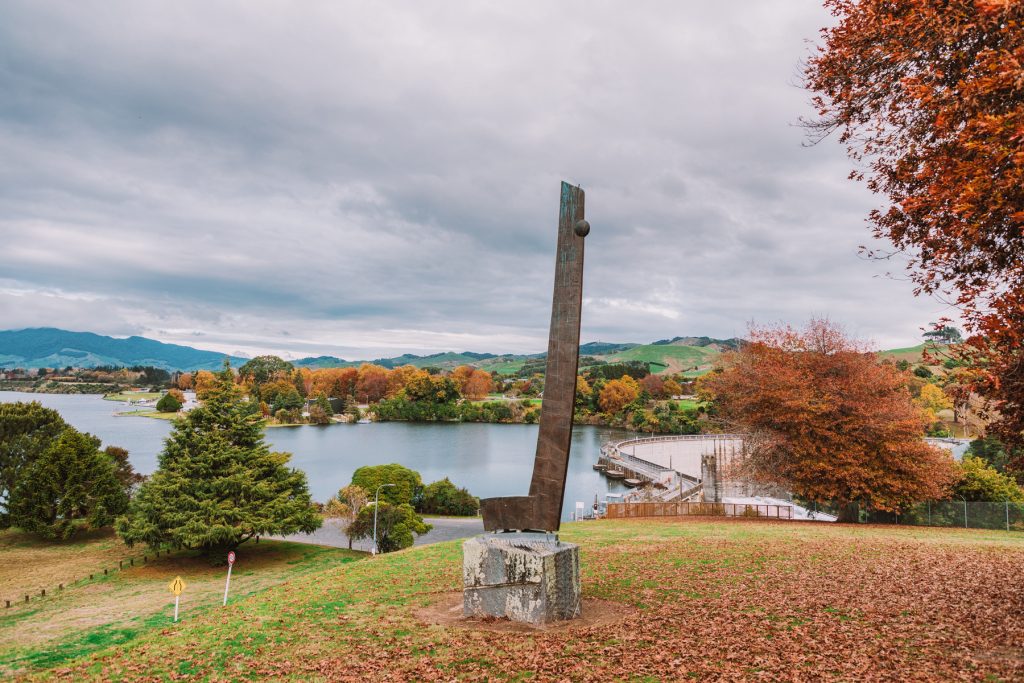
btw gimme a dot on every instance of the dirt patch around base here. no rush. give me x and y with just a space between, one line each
446 610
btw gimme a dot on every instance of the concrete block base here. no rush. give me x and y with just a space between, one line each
524 576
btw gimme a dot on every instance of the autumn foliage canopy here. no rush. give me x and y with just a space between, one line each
928 96
829 421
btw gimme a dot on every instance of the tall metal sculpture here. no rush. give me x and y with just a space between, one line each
541 510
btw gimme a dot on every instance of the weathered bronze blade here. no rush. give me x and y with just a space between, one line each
542 509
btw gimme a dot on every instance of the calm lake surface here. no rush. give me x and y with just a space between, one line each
488 459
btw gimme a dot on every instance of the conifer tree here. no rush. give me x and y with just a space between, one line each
72 485
26 430
218 484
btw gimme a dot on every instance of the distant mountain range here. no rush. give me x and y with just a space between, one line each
49 347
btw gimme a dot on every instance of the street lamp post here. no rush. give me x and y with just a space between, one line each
376 500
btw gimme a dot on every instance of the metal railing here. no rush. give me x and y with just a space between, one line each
674 437
685 509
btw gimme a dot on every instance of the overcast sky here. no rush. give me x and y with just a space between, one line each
366 179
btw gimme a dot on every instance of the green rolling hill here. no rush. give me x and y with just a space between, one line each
669 359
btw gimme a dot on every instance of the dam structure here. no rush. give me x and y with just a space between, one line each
694 468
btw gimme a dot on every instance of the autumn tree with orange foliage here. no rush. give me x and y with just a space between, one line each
829 421
402 376
929 97
334 382
203 381
617 394
372 383
478 385
185 381
654 386
461 375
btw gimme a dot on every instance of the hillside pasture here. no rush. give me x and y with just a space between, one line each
668 359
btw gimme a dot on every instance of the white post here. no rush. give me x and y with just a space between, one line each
176 608
227 584
1007 504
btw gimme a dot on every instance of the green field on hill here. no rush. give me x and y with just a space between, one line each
662 358
911 354
694 599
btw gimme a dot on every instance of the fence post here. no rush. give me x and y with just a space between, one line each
929 513
965 513
1007 504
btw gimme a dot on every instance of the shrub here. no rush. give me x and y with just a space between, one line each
444 498
168 403
396 525
407 489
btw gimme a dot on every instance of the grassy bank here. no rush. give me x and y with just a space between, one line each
125 396
124 605
150 413
708 599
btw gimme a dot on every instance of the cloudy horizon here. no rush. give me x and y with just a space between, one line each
369 180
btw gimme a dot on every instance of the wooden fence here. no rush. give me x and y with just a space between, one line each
684 509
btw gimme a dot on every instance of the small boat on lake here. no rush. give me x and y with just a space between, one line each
632 482
600 467
615 474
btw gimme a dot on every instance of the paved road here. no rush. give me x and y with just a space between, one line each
445 529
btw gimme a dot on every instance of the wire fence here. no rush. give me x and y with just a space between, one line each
956 513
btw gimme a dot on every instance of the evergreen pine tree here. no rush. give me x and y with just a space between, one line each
218 484
70 486
26 431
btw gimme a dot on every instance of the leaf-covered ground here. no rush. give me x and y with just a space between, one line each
728 599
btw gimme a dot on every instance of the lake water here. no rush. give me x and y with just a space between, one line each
488 459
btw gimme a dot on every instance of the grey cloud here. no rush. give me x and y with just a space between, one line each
377 178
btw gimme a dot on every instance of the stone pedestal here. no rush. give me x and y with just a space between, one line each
524 576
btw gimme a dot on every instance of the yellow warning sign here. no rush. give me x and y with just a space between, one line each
177 585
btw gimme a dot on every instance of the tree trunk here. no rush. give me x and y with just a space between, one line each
849 513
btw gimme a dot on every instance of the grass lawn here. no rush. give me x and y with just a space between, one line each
150 413
125 605
126 396
712 599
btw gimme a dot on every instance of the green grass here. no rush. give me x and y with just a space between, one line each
150 413
501 366
912 354
667 358
701 598
126 396
123 606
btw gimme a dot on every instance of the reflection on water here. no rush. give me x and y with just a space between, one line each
488 459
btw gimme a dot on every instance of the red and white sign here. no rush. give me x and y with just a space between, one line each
231 557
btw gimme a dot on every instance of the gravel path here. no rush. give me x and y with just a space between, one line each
445 529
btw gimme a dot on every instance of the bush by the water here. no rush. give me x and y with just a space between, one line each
406 484
168 403
445 498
